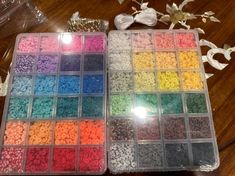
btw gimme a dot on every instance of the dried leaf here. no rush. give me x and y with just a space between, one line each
144 5
174 7
204 20
212 18
185 2
133 8
165 18
226 46
200 30
209 13
190 16
169 9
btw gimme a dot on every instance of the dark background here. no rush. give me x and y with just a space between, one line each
221 85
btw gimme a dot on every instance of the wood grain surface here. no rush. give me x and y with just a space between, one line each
221 85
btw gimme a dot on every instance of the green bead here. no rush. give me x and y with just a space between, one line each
196 103
147 101
171 103
121 105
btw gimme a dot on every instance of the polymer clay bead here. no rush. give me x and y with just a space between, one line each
93 83
92 106
24 63
94 43
64 159
143 61
11 160
49 43
166 60
177 155
91 159
142 41
18 108
42 107
148 129
71 43
37 160
22 85
92 132
47 64
164 40
44 84
174 128
119 41
69 84
203 154
188 59
15 133
121 82
67 107
66 132
145 81
122 130
40 133
199 127
150 155
191 80
121 105
28 44
122 157
93 62
120 61
185 40
196 103
70 62
168 80
171 103
147 101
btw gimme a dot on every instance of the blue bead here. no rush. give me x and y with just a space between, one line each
69 84
93 83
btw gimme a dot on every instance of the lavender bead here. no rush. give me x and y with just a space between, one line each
24 63
47 63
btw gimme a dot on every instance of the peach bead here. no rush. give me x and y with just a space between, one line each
185 40
40 133
15 133
188 59
166 60
66 132
143 61
164 40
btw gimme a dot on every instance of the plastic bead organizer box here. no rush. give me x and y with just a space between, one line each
159 115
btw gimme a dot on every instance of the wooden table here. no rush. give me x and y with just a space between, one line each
221 85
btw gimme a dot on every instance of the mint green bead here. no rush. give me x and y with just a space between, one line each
121 105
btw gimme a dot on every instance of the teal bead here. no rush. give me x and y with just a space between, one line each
171 103
42 107
18 108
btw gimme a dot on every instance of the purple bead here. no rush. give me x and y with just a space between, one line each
93 62
24 63
47 63
70 62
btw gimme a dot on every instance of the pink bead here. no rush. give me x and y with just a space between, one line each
73 44
28 44
185 40
94 43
